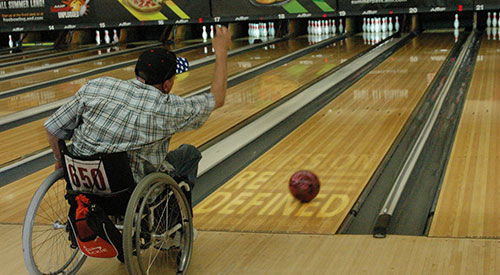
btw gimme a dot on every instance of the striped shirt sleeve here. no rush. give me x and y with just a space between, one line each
192 112
62 123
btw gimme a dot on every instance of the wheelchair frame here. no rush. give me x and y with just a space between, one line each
157 211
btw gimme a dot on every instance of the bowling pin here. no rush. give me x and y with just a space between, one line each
97 37
271 29
115 36
389 27
211 31
488 21
204 34
334 28
494 21
341 27
456 23
396 25
11 43
107 39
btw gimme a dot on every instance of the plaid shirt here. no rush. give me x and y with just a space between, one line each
108 115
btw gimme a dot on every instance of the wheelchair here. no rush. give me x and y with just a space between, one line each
154 217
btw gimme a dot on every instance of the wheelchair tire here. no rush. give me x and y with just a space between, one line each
46 240
158 228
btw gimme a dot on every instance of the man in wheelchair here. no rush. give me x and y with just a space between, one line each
139 116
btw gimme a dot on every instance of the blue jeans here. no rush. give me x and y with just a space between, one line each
185 160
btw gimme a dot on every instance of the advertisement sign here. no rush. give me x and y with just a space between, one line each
274 9
40 15
33 15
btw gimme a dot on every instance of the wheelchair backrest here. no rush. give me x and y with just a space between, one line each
104 174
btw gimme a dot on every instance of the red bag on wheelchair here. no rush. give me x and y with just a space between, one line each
94 232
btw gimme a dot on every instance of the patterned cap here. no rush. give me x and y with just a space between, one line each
159 64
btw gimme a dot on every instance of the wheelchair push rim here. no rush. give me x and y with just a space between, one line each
159 213
46 240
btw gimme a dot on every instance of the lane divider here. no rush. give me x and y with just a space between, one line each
383 220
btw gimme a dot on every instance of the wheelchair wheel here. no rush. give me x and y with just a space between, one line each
158 228
47 247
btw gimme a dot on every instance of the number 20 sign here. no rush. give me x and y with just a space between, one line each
87 175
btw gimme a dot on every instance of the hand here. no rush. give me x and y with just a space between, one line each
222 39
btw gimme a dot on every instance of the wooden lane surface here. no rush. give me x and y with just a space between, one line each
468 204
54 60
248 98
26 139
19 82
26 56
242 101
90 52
56 92
343 144
29 54
262 253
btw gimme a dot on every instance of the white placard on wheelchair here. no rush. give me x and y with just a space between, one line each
87 175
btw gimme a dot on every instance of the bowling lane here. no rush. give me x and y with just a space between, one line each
56 92
51 74
468 204
343 144
242 101
6 58
91 51
248 98
15 68
36 52
29 138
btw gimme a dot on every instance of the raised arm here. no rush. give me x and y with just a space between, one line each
220 43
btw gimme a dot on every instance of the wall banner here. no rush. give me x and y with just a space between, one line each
34 15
